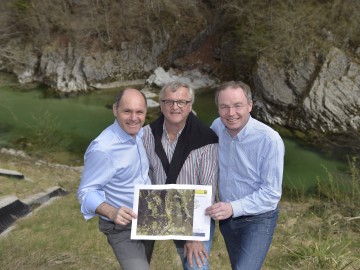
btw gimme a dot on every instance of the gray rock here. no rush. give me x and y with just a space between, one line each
334 97
194 78
324 100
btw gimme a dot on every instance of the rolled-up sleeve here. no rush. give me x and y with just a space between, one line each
98 170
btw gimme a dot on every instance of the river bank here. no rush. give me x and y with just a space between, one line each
62 128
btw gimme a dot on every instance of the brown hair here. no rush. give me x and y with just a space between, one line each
234 84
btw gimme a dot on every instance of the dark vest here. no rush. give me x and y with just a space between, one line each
194 135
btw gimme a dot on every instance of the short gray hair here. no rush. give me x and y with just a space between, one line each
174 86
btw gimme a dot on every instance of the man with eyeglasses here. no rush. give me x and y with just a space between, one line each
182 150
251 161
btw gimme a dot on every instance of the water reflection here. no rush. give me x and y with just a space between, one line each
80 119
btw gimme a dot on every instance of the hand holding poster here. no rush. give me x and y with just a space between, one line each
171 212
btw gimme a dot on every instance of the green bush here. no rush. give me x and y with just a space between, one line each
46 137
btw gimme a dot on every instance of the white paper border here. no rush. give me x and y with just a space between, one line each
206 220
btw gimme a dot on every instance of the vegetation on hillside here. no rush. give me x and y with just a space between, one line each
286 31
94 26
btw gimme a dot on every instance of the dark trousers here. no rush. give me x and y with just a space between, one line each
131 254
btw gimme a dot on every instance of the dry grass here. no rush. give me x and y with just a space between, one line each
56 236
39 175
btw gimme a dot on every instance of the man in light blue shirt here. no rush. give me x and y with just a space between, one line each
251 161
114 162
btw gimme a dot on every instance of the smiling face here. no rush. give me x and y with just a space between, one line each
174 115
130 111
234 109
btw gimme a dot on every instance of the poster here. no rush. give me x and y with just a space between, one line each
171 212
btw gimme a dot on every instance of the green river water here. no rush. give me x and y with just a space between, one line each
81 118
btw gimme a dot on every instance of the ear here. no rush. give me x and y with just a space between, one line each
161 108
114 109
191 107
250 106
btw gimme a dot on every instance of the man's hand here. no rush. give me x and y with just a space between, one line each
196 249
220 211
121 216
124 215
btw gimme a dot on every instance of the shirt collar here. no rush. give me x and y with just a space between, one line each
167 136
123 136
244 131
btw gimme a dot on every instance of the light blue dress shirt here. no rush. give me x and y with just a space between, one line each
113 163
250 167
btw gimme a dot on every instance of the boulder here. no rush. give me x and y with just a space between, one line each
194 78
333 102
321 98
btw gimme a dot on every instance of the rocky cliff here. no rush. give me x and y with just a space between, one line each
322 99
78 45
139 42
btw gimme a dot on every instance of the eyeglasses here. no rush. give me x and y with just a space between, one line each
236 107
179 103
